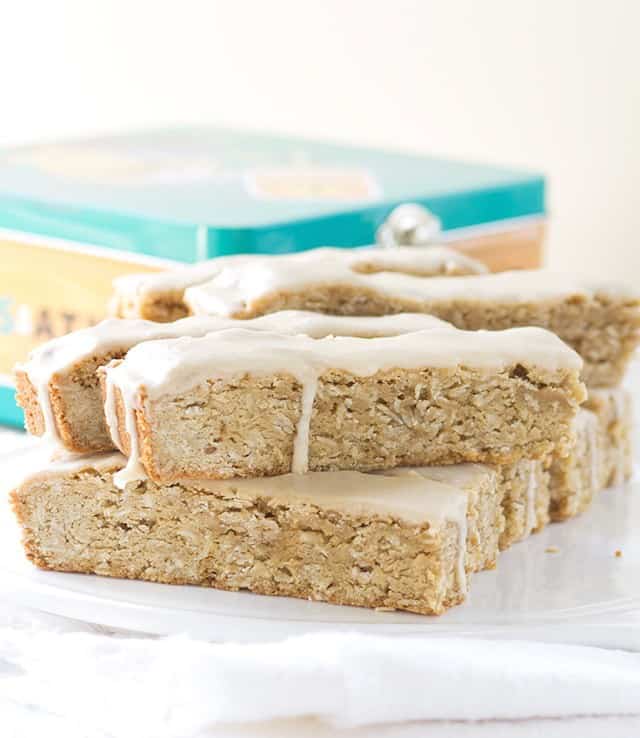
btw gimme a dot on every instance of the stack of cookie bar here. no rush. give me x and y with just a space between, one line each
364 427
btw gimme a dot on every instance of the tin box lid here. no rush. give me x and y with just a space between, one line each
189 194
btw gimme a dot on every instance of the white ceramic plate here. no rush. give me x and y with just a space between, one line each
581 594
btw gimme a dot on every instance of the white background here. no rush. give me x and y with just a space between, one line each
551 84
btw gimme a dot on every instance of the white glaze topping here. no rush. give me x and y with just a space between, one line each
174 366
181 363
48 457
433 259
239 287
117 336
465 476
317 325
419 260
131 285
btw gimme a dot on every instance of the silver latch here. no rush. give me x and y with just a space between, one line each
409 224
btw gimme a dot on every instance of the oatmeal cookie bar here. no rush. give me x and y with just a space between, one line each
523 488
242 403
59 390
525 501
602 454
340 537
160 297
614 411
600 321
577 477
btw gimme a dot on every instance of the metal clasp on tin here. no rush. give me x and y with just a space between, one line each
409 224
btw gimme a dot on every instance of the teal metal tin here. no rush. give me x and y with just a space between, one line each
10 413
156 197
193 194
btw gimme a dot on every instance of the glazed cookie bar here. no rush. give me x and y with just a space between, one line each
340 537
480 484
242 403
525 501
523 490
614 411
601 456
576 478
58 387
600 321
160 297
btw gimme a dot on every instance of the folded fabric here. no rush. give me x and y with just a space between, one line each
177 687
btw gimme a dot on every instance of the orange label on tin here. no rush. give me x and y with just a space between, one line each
319 183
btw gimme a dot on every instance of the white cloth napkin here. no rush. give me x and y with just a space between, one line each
179 688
